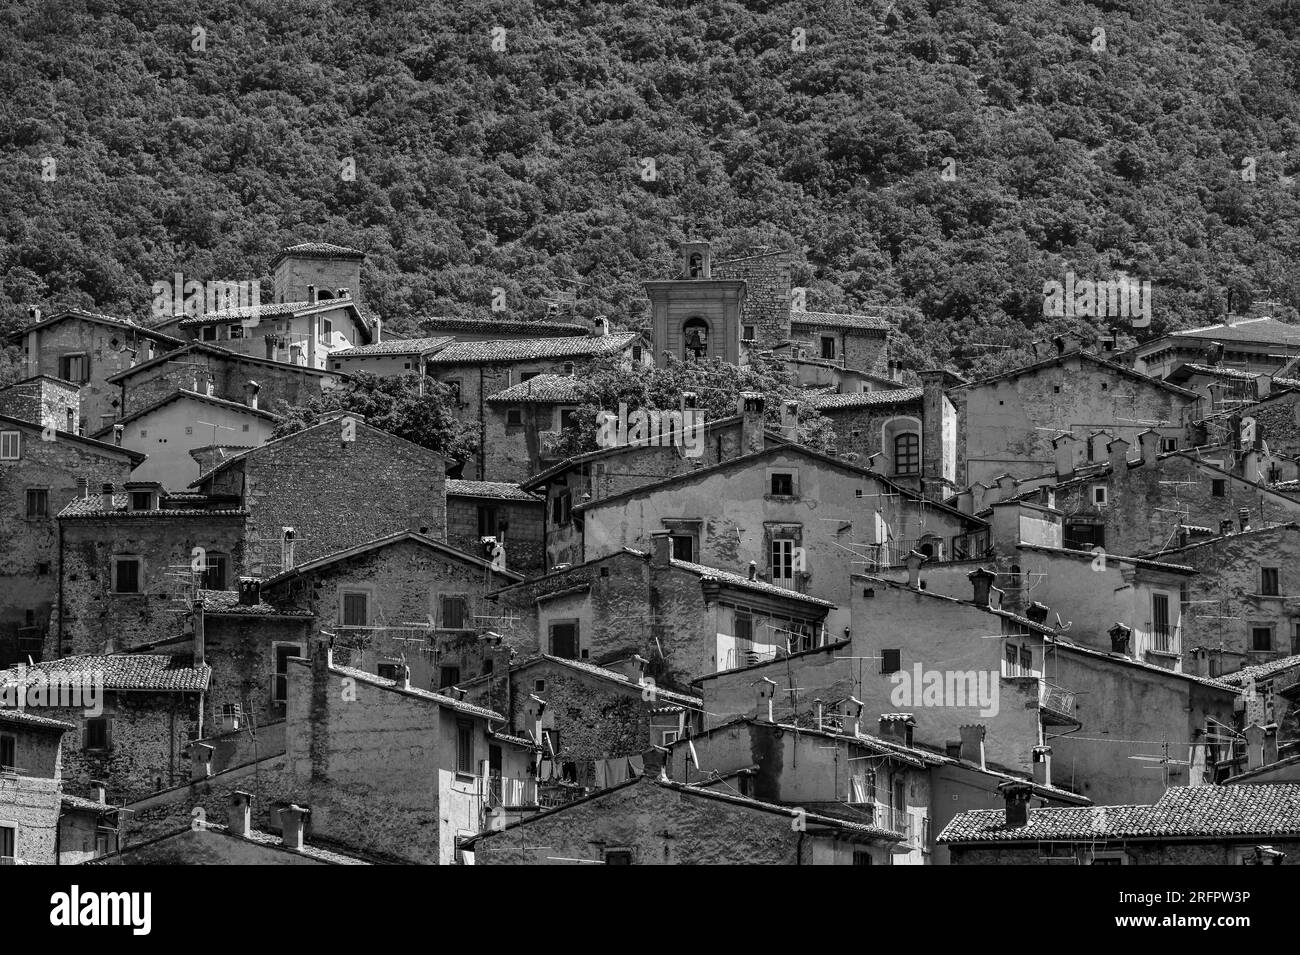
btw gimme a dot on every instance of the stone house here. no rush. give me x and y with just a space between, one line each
300 492
1186 825
390 358
647 821
38 478
852 341
529 417
500 330
1241 610
1258 344
171 429
1006 423
384 766
130 732
45 401
86 349
801 519
404 599
684 618
30 786
475 370
478 509
129 562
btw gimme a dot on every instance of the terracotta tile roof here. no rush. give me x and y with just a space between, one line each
1083 356
479 353
1268 810
85 805
741 580
394 346
8 421
831 320
219 352
865 399
442 547
1245 330
496 490
560 329
123 671
226 603
86 507
27 717
270 310
543 389
613 676
326 249
185 394
126 323
432 697
1259 671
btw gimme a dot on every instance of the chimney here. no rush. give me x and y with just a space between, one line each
196 381
914 561
753 570
852 723
1263 386
1243 518
750 406
820 712
311 293
379 326
897 727
291 826
1119 638
250 592
83 487
981 581
344 292
661 549
1043 765
101 791
70 422
251 388
200 760
1213 353
790 420
1064 450
106 496
1225 527
1017 795
1059 342
1270 744
632 667
1036 612
599 326
1111 342
403 680
972 743
1148 445
240 813
117 434
952 749
1254 734
199 648
1118 451
1098 444
763 704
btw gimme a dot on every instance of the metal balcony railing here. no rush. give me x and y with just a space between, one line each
1055 701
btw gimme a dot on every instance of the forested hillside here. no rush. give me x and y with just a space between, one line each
522 168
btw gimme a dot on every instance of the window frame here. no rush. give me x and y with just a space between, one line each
42 495
9 740
89 743
885 657
118 560
1270 581
11 440
278 674
464 747
907 461
575 624
344 594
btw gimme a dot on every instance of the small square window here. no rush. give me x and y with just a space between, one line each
783 484
891 661
1261 638
1056 389
126 575
1168 444
1099 495
38 502
748 333
245 427
97 735
683 548
42 569
539 686
514 417
1218 487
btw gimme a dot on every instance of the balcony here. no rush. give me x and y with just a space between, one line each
1056 704
508 791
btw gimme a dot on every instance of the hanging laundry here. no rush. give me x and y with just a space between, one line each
616 771
636 765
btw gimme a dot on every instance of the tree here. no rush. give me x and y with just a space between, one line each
395 405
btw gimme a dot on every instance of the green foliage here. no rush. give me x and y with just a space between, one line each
394 405
717 384
517 169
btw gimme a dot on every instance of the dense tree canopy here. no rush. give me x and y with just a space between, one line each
951 155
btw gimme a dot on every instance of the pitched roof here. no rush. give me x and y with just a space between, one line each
1086 357
217 351
1266 810
225 603
27 718
483 353
121 671
832 320
744 583
1259 671
228 316
81 804
438 698
1071 647
612 676
1187 369
101 446
1221 538
318 250
186 394
80 313
495 490
62 382
1264 329
559 329
1089 556
394 346
380 542
542 389
93 507
865 399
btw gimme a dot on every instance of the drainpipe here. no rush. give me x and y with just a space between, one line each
59 613
482 428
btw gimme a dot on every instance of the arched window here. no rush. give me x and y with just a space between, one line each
695 265
907 453
695 339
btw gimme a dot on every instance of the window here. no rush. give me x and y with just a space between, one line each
1099 495
695 339
127 575
1160 621
907 453
636 353
355 607
1261 638
1085 536
448 676
284 652
464 746
568 418
8 842
1218 487
891 661
102 845
8 752
683 547
527 376
215 571
782 484
487 520
326 331
74 368
236 330
514 417
42 568
564 640
667 737
1268 581
747 333
783 562
1168 444
695 265
38 502
455 611
9 444
560 508
209 333
97 734
862 787
828 346
141 501
743 626
861 857
618 857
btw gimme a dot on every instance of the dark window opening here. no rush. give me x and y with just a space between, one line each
564 640
782 485
891 661
907 453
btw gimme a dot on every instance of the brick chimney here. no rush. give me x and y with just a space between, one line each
972 743
661 549
1148 445
852 712
750 406
1016 795
251 388
83 488
292 819
201 760
981 581
914 561
239 816
1064 449
1118 451
1254 734
106 496
1042 765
